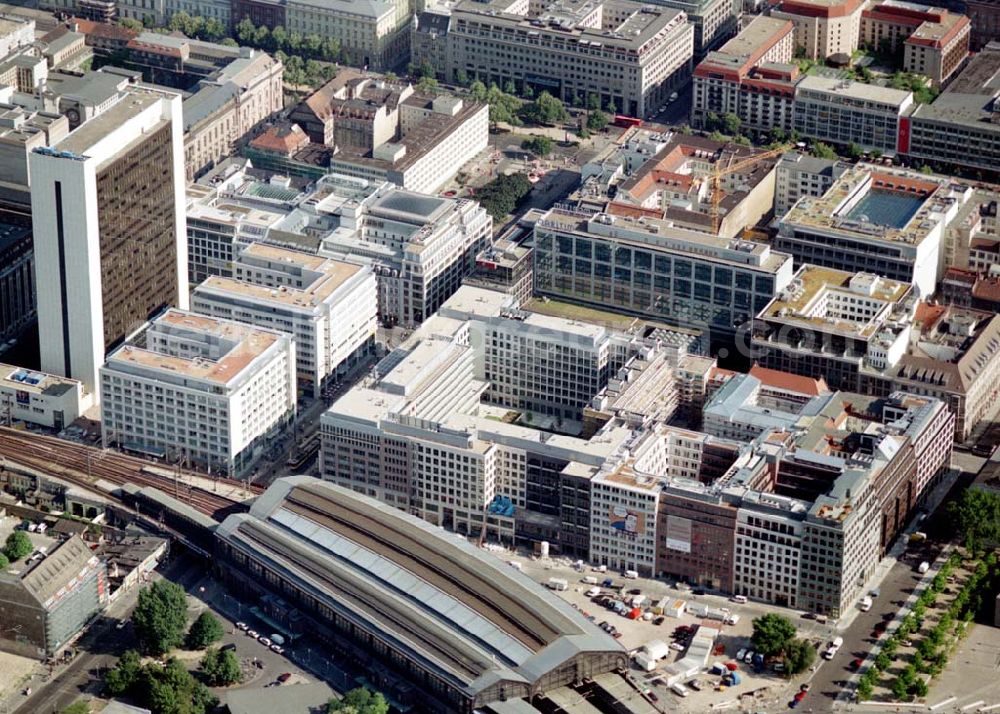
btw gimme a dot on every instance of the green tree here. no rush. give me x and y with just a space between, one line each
359 701
597 120
900 690
854 151
17 546
546 109
160 616
799 656
123 676
80 706
977 517
4 562
919 688
538 145
502 195
593 102
503 106
477 90
864 690
221 668
204 631
427 85
130 24
509 87
771 633
882 662
822 151
731 124
461 78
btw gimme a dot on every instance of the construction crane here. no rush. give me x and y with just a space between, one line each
715 179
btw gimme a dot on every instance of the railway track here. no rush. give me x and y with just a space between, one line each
86 465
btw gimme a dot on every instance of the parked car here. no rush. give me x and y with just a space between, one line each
230 646
265 641
659 620
856 663
741 655
748 657
253 633
698 591
241 625
278 649
284 677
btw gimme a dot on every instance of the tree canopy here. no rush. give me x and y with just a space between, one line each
597 120
503 194
160 616
80 706
17 546
359 701
546 109
799 656
538 145
220 667
205 630
771 634
163 689
977 517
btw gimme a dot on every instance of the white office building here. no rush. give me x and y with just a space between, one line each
109 229
39 398
203 391
329 307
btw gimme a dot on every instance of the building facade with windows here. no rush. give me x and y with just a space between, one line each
328 307
649 267
844 112
201 390
823 27
626 54
109 231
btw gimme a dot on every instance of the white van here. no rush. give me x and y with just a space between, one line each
865 604
679 689
593 592
589 580
741 599
923 567
630 574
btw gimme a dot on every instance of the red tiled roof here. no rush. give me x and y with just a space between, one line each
789 382
928 314
281 139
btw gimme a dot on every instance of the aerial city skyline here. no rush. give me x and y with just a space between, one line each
499 357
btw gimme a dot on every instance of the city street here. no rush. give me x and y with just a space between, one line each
97 651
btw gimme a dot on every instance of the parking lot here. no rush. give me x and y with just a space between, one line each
764 691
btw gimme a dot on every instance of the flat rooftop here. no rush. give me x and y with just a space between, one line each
34 382
879 205
888 98
248 342
661 234
564 18
83 138
330 275
811 280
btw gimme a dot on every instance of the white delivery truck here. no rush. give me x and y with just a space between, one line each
631 574
589 580
557 584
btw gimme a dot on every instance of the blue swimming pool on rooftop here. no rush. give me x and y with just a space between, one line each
887 208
